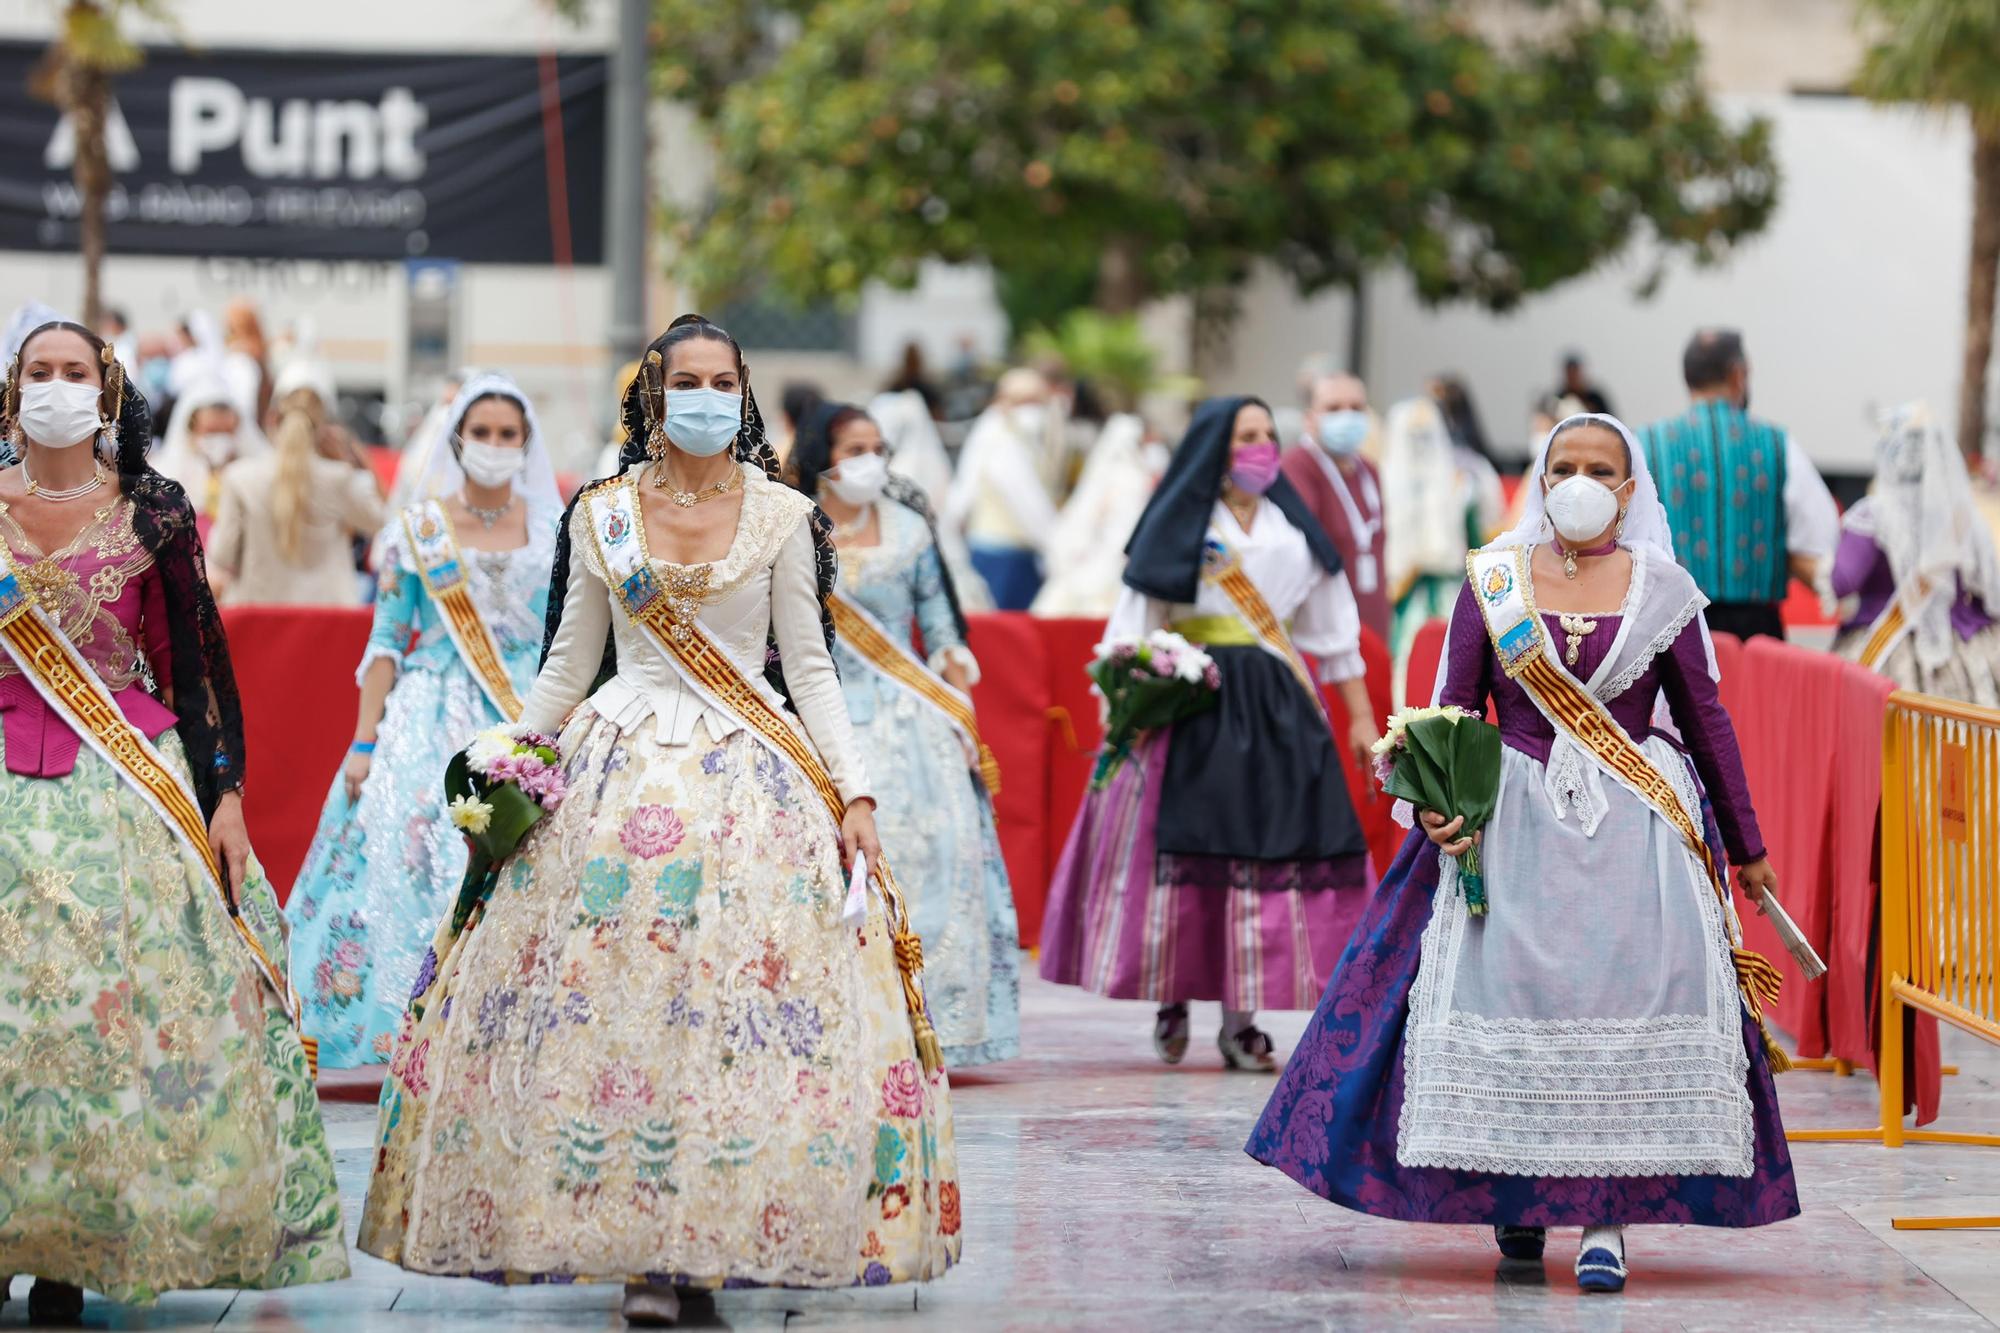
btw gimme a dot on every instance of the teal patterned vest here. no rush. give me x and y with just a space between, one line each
1721 474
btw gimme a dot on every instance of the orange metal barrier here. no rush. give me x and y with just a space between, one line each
1940 938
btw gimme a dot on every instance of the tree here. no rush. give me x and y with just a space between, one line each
90 47
1171 144
1946 54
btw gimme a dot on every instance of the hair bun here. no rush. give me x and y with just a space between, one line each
689 318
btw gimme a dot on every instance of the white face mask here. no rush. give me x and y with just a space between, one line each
218 447
1030 418
490 464
1582 508
860 479
58 414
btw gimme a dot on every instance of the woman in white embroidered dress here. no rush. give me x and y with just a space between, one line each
1580 1055
657 1054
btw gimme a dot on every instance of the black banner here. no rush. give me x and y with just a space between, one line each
485 159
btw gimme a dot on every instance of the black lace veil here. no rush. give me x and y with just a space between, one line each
812 454
201 684
642 410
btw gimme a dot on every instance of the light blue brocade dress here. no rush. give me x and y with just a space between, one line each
934 816
383 869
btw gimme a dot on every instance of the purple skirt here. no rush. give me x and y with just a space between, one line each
1125 921
1331 1122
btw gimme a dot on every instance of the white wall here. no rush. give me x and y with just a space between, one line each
1851 301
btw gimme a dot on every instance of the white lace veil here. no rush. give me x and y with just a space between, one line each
1923 516
537 482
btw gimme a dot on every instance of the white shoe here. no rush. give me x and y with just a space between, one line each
1248 1048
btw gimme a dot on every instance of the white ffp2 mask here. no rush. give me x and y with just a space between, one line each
1581 508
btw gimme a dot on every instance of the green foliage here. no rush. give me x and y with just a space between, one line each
94 33
856 138
1937 52
1110 351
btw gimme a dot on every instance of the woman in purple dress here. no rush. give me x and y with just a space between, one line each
1581 1054
1919 565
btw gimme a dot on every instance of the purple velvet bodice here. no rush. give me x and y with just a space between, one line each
1861 570
1472 675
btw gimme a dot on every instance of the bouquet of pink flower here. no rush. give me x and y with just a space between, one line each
1147 684
499 787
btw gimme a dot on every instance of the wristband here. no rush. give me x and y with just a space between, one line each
362 747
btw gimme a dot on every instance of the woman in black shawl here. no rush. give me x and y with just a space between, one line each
935 809
1224 862
152 1087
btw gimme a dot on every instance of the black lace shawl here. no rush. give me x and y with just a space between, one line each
812 451
201 685
753 445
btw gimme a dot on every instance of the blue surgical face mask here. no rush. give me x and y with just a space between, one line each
1343 432
703 422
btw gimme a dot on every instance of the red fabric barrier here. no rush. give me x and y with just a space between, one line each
1426 660
1371 806
1012 701
1796 697
295 671
1071 726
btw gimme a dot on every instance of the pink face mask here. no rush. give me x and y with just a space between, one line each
1254 468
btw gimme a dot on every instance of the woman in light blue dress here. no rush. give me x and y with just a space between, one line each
933 805
386 861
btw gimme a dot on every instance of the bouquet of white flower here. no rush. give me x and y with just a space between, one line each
1147 683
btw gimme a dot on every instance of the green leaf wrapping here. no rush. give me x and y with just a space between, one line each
514 813
1137 701
1454 769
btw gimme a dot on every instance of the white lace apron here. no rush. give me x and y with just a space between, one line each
1590 1023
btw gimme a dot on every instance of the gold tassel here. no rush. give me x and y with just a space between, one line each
1759 982
1774 1053
989 769
910 963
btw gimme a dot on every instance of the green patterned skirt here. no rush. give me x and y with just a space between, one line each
158 1124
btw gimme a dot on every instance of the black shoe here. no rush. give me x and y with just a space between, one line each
1523 1244
1170 1032
54 1302
1250 1049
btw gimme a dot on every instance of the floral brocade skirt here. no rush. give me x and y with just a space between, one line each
654 1053
158 1125
383 869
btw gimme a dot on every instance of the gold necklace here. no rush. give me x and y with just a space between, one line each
689 499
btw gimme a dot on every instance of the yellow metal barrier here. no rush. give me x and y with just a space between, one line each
1940 936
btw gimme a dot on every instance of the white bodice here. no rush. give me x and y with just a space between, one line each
765 586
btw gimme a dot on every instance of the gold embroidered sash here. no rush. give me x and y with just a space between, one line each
668 617
1504 583
434 551
1223 570
1884 635
73 690
874 645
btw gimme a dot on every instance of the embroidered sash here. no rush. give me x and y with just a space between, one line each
1504 583
434 551
874 645
667 614
72 688
1221 569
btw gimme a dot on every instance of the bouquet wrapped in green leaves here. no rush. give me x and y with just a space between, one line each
1147 683
1446 760
499 787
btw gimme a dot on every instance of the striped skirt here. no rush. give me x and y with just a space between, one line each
1127 922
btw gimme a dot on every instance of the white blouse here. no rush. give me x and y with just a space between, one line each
767 584
1318 606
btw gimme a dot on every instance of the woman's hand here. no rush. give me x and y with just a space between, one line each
857 834
1757 879
1361 738
230 839
1444 832
355 772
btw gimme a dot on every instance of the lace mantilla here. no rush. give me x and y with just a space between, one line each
1663 642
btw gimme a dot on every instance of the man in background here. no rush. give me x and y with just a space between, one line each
1341 487
1749 510
1576 383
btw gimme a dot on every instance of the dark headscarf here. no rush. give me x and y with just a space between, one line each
642 409
208 714
812 456
1163 559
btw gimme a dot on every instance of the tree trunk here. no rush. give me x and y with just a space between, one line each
1121 287
1979 294
88 99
